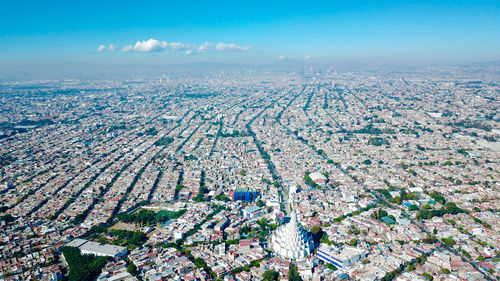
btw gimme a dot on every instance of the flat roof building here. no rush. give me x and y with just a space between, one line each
252 212
340 257
221 225
94 248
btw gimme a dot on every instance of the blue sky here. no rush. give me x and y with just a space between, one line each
249 31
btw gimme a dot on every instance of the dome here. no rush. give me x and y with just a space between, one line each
318 178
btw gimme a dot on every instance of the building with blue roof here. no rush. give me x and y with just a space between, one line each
340 257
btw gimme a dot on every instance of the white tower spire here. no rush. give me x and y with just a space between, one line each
291 241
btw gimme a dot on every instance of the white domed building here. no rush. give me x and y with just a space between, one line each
292 241
318 178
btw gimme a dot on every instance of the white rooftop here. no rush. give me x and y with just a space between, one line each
96 248
317 176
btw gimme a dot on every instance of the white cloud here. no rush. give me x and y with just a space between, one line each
151 45
231 47
103 48
127 48
177 46
112 47
281 57
204 47
310 57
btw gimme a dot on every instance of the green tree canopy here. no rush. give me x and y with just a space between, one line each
270 275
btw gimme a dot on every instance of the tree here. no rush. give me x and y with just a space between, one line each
244 229
200 263
132 269
438 197
164 141
270 275
83 267
7 218
389 276
331 267
430 239
293 273
222 197
428 276
132 239
263 223
308 180
380 213
465 253
448 242
315 229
